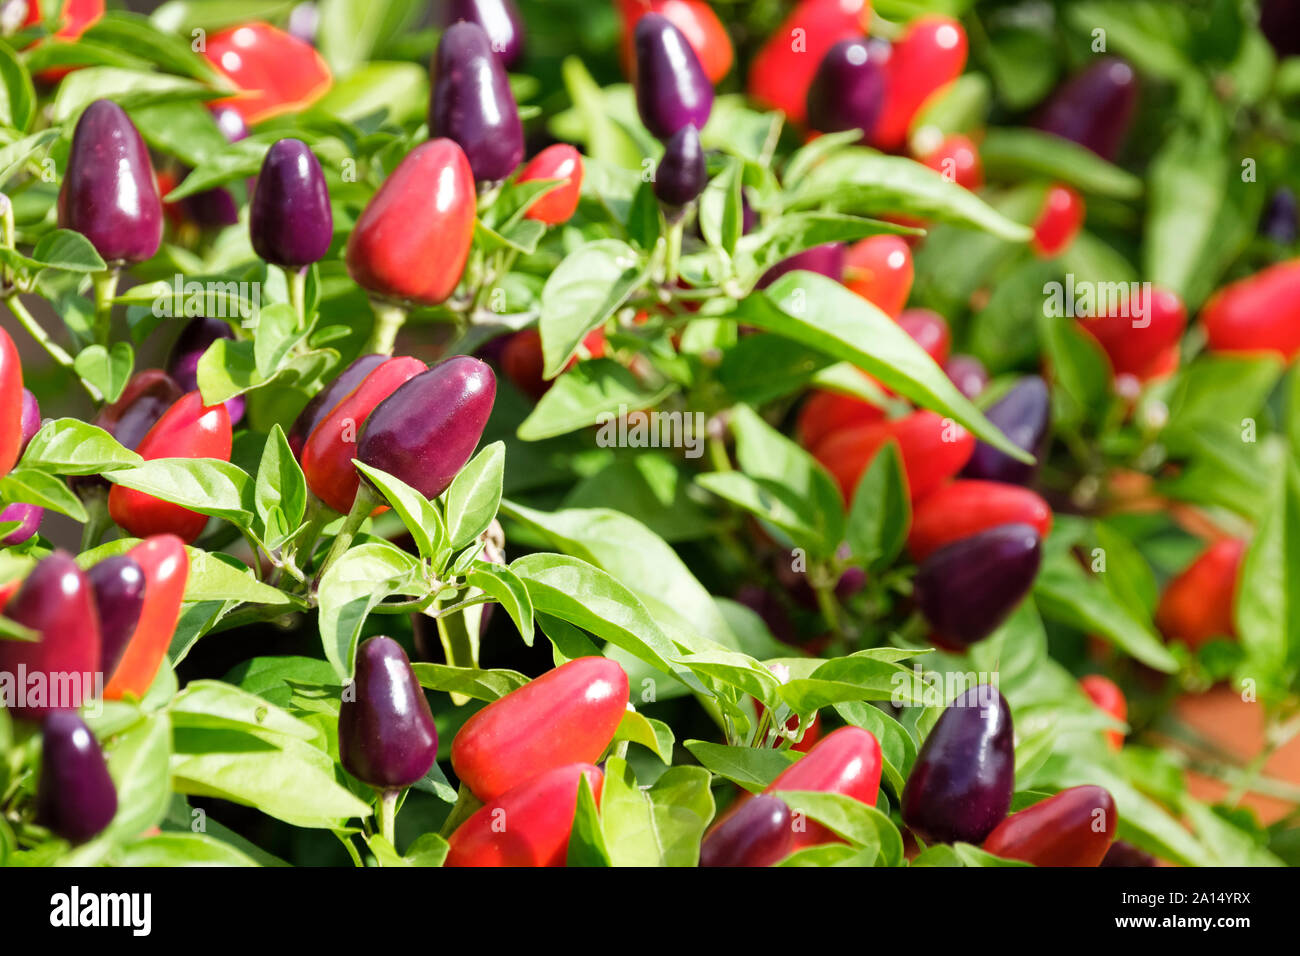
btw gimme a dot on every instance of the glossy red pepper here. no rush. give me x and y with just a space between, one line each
879 268
166 568
275 71
966 507
824 413
413 238
528 825
1105 693
1260 313
957 159
56 672
1197 603
11 404
933 450
931 54
328 397
560 161
846 761
186 430
147 395
1137 344
1073 828
75 18
698 23
521 359
566 716
328 452
782 71
1059 222
929 330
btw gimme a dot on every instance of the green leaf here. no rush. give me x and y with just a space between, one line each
1267 605
18 104
212 703
1187 187
474 495
218 577
206 485
1021 151
721 208
128 88
797 232
181 849
749 767
581 293
69 251
661 825
351 588
107 370
400 90
586 839
598 391
863 826
472 682
420 515
820 312
654 735
510 592
351 30
29 486
16 155
959 855
280 494
277 334
881 511
130 31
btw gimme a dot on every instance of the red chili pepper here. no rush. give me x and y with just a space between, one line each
958 160
966 507
521 359
846 761
1058 223
166 568
930 331
698 23
75 18
1073 828
1197 604
11 404
413 238
1138 346
275 71
528 825
931 54
1260 313
783 69
186 430
933 449
566 716
560 161
329 450
879 269
1105 693
824 413
56 601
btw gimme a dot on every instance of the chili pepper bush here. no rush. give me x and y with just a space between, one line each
650 433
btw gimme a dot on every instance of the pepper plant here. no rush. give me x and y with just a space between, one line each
813 433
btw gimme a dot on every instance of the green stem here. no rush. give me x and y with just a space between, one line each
389 320
52 348
318 516
105 285
672 259
388 815
364 503
718 454
466 804
298 295
99 521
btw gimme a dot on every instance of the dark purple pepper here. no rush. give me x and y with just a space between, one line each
499 19
1126 854
195 339
328 397
1094 108
967 588
109 194
30 420
28 516
426 431
769 607
960 786
1279 221
230 123
848 90
472 103
1280 22
387 737
118 583
289 219
75 798
1024 415
827 260
968 374
671 88
759 833
682 174
304 21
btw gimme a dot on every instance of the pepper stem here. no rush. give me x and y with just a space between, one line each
388 815
105 286
98 521
389 320
674 253
298 295
52 348
365 502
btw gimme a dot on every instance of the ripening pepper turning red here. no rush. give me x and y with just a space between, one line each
528 825
75 798
186 430
782 71
11 404
879 268
274 71
933 449
566 716
166 567
960 786
118 583
1260 313
109 193
1073 828
57 602
328 452
1058 223
957 159
759 833
562 162
930 55
413 238
698 23
523 363
846 761
328 397
471 103
966 507
27 515
1136 345
387 737
1105 693
1197 604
